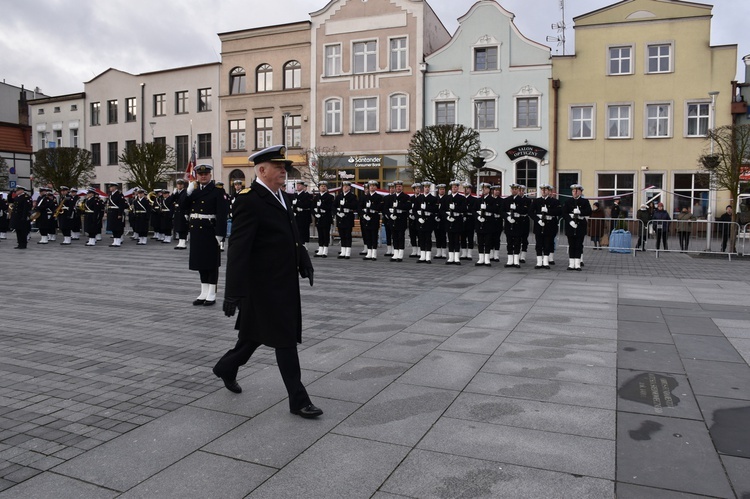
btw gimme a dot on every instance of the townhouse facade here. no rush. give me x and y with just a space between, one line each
635 101
265 96
493 79
58 121
176 107
367 85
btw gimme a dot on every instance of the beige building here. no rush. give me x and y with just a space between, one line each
367 85
635 101
265 95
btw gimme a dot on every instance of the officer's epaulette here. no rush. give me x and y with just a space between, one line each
245 190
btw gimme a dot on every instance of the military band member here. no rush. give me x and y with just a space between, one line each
345 205
453 210
227 209
544 213
75 225
19 219
370 207
156 216
141 216
65 213
302 207
323 212
467 234
515 209
397 210
93 213
497 230
116 206
485 222
525 223
45 205
4 219
180 219
387 221
167 215
441 239
426 210
575 213
416 187
208 226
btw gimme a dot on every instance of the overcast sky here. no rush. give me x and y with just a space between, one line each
57 45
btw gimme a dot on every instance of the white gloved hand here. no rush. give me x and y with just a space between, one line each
483 206
576 211
341 202
510 220
191 188
219 239
317 215
541 224
174 191
544 209
512 206
573 224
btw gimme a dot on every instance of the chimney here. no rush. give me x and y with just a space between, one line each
23 109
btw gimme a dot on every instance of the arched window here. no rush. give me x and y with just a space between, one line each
526 173
237 81
398 113
264 78
292 74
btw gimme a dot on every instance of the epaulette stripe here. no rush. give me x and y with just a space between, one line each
245 191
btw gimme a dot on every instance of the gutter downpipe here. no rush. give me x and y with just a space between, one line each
555 131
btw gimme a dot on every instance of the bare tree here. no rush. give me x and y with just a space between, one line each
69 166
147 164
442 153
322 162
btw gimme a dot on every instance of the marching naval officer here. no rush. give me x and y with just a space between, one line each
265 256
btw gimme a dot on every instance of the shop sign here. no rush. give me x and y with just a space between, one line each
366 161
526 150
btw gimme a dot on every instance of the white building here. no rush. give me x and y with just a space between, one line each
57 121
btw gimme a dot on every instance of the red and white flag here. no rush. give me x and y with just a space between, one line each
189 174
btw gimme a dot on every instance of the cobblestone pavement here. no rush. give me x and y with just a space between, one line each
628 378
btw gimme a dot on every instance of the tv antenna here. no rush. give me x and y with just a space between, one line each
560 27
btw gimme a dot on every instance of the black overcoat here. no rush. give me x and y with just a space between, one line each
263 261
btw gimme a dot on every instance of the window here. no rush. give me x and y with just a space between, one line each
293 133
292 74
690 188
181 102
111 153
40 111
111 112
74 107
365 115
42 137
263 132
527 113
445 113
160 104
58 138
204 145
333 116
564 181
698 115
204 100
618 122
96 108
658 120
399 108
365 54
659 58
56 109
96 154
264 78
236 135
398 54
485 59
526 173
617 184
131 109
181 150
484 117
620 60
73 137
333 60
237 81
582 122
129 145
160 140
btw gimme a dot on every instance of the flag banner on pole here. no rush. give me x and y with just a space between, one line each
189 174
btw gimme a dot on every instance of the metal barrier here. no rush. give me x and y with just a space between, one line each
743 236
599 233
693 236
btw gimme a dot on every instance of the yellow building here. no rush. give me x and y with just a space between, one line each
634 102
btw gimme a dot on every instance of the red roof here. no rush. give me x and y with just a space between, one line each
15 138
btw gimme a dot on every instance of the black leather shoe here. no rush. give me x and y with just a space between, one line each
199 302
230 383
308 412
207 303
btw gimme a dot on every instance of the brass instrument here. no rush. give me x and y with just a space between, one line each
151 196
59 208
35 213
81 204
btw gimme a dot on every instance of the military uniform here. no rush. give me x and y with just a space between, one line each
93 213
387 221
75 219
19 219
323 213
413 234
544 213
441 239
116 206
66 214
167 215
575 213
156 216
4 221
370 207
515 209
485 223
497 229
345 205
467 234
46 206
141 216
453 210
425 210
397 209
302 203
180 219
525 223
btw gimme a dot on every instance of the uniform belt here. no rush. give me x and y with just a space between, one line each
140 211
202 217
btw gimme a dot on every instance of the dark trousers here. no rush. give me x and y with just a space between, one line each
425 240
324 234
467 236
22 235
454 242
495 240
513 240
303 226
388 234
209 276
685 240
346 237
288 362
399 239
661 235
525 229
65 227
370 236
413 236
545 242
483 243
575 245
440 238
724 239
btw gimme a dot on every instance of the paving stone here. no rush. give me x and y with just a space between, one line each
578 455
658 357
336 466
550 369
719 379
567 330
706 348
682 324
640 314
563 341
727 424
571 355
643 332
474 340
651 393
51 485
630 491
494 319
149 449
444 369
332 353
202 475
374 330
358 380
438 324
661 452
737 470
406 347
425 474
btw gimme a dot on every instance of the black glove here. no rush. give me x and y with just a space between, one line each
230 306
307 272
305 266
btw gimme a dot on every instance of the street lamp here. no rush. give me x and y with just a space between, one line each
711 188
